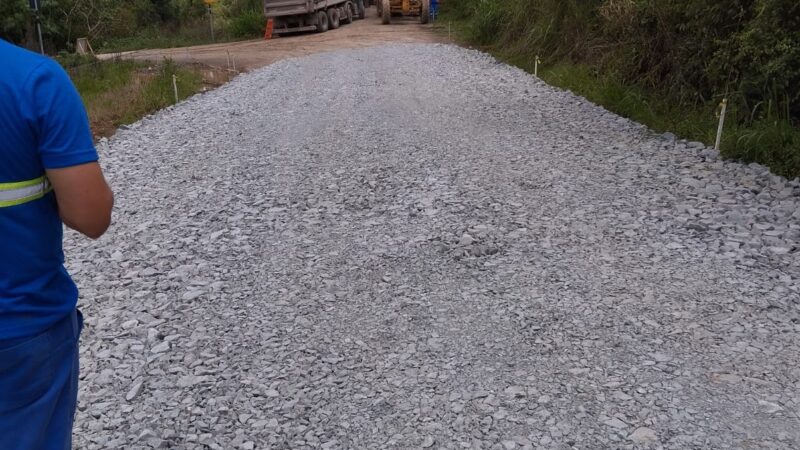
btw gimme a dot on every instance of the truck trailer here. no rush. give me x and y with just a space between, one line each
290 16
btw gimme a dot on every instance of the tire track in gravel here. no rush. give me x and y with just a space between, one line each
436 250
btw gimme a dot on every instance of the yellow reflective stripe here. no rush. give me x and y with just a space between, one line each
21 184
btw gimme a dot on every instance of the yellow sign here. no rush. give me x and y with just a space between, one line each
209 2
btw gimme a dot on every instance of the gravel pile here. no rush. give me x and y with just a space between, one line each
419 247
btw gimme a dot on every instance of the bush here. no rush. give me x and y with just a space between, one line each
129 24
14 16
247 24
696 49
761 61
686 54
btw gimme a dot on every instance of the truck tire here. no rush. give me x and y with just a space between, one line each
386 12
425 11
333 18
360 9
348 15
322 21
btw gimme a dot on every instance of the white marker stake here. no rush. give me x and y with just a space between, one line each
536 66
724 106
175 86
229 58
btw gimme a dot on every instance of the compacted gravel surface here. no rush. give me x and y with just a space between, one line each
416 246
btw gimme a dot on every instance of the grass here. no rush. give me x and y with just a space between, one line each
151 38
770 140
118 92
198 33
763 136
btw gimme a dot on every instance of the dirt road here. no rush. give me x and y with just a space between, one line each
249 55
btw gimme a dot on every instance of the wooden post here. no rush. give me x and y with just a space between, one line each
82 46
723 110
210 21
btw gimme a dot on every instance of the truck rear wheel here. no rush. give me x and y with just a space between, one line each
322 21
386 12
425 11
333 18
348 13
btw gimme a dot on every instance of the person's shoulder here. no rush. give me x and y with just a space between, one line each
22 64
20 58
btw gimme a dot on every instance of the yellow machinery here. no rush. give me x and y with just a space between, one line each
405 8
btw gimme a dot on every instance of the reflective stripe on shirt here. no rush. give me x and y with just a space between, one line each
12 194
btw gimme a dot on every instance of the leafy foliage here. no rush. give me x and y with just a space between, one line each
14 16
249 23
115 23
683 55
748 49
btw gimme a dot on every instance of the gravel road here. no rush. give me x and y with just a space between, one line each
416 246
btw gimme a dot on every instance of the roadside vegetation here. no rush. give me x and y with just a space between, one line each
119 92
246 24
667 63
113 25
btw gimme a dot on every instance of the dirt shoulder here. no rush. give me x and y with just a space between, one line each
249 55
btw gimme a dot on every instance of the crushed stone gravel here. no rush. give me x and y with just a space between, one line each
416 246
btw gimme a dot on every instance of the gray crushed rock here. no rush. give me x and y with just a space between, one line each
416 246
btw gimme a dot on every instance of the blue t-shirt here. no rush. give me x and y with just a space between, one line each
43 125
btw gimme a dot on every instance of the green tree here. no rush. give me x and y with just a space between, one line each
14 20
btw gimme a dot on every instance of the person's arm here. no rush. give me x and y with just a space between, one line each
67 152
84 198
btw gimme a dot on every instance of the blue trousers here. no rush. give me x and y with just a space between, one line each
39 388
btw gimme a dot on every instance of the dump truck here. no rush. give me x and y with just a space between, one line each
291 16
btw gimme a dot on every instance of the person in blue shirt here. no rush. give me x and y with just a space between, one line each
49 175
